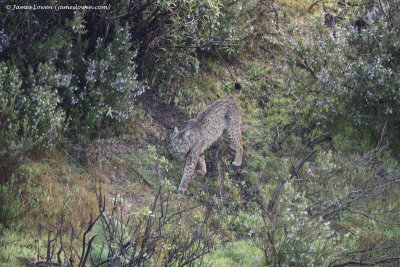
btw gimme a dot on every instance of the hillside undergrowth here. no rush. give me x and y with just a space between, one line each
87 107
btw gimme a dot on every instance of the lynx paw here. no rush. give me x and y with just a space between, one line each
238 160
202 172
237 163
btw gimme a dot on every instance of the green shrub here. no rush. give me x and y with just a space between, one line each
239 253
29 119
10 206
345 77
105 96
292 237
16 249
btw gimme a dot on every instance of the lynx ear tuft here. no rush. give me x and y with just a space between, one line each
176 130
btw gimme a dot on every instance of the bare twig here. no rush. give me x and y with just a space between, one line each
84 253
141 177
368 250
271 204
282 183
370 263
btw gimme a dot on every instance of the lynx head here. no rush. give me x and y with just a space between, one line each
181 141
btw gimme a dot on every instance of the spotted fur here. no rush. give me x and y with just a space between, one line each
221 116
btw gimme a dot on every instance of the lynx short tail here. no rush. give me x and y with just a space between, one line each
238 89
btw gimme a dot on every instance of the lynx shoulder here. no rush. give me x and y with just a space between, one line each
199 133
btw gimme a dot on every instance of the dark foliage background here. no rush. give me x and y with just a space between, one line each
88 97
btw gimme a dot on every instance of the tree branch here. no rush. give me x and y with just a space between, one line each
368 263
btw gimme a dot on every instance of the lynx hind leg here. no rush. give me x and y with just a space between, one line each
235 136
202 165
191 161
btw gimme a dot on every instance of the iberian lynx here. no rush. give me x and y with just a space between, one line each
205 129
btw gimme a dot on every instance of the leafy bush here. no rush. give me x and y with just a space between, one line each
293 238
346 78
28 118
106 94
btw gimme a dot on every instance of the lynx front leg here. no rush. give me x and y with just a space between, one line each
191 161
235 135
202 165
239 153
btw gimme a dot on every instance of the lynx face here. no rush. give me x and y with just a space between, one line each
181 142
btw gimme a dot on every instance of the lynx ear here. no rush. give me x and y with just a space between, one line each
187 133
176 130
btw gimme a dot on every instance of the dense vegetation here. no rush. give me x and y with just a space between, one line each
88 98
